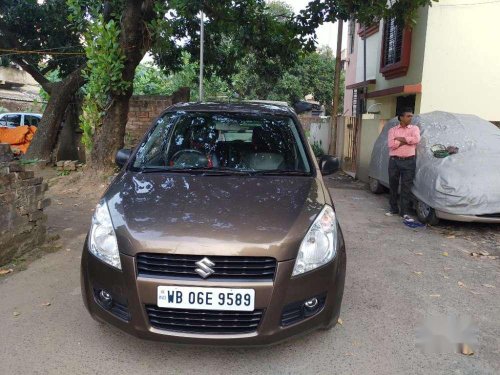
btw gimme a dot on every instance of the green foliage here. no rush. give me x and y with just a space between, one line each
366 12
35 25
318 151
105 63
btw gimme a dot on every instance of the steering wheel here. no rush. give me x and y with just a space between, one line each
194 158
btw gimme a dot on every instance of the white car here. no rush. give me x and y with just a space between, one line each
461 187
15 119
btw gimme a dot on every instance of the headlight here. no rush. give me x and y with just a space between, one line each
102 237
319 246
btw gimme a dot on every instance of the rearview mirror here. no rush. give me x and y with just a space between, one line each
122 156
328 164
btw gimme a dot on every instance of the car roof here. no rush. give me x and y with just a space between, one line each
250 107
20 113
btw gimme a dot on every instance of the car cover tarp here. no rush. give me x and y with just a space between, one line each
19 137
466 183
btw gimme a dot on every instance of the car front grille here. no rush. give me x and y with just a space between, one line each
204 321
225 267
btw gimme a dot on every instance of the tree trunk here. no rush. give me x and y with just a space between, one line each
45 138
134 41
67 144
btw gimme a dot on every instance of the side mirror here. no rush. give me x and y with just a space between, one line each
122 156
329 164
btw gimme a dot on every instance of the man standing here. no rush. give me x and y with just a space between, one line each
402 141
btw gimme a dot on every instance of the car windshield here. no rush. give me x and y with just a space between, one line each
223 142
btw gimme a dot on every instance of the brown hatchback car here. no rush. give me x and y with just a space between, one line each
218 230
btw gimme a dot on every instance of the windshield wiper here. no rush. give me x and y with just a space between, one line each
281 172
204 171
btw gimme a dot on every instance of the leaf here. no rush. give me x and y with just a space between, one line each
419 253
5 272
417 272
450 236
46 304
488 286
340 322
15 313
445 254
461 284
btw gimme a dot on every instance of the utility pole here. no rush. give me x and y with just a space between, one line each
202 41
336 90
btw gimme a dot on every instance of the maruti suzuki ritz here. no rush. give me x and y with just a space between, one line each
219 229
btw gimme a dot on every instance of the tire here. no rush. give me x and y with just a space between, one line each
426 214
375 186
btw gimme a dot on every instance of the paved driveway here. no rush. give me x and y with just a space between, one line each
396 277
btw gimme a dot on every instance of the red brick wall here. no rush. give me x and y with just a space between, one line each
144 110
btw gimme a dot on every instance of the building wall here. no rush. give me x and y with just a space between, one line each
373 43
462 59
350 73
143 110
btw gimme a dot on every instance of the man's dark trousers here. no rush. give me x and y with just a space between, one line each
404 168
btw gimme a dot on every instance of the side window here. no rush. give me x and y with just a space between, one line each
31 120
11 120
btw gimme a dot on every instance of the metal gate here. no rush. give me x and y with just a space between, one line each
352 131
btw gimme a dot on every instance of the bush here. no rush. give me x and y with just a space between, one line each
318 151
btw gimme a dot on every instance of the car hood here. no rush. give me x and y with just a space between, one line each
213 215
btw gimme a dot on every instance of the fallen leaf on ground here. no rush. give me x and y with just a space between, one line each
488 286
419 253
15 313
46 304
435 295
5 272
340 322
417 272
445 254
461 284
446 277
474 292
466 349
450 236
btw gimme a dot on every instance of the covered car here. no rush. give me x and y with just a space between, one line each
464 186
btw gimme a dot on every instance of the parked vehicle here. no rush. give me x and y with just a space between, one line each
218 230
464 186
13 120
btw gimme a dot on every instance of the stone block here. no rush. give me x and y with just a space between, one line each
60 163
69 165
37 215
43 203
24 175
15 166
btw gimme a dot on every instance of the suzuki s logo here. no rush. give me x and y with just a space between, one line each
204 269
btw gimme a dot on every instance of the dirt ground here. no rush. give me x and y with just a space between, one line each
396 278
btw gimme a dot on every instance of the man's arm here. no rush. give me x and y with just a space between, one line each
414 139
392 142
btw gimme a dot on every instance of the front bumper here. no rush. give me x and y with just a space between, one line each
272 297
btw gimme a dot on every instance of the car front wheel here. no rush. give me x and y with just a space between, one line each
426 214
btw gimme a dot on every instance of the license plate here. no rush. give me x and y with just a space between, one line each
183 297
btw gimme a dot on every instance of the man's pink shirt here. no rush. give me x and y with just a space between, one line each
412 135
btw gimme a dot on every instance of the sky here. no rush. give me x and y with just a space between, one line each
327 33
